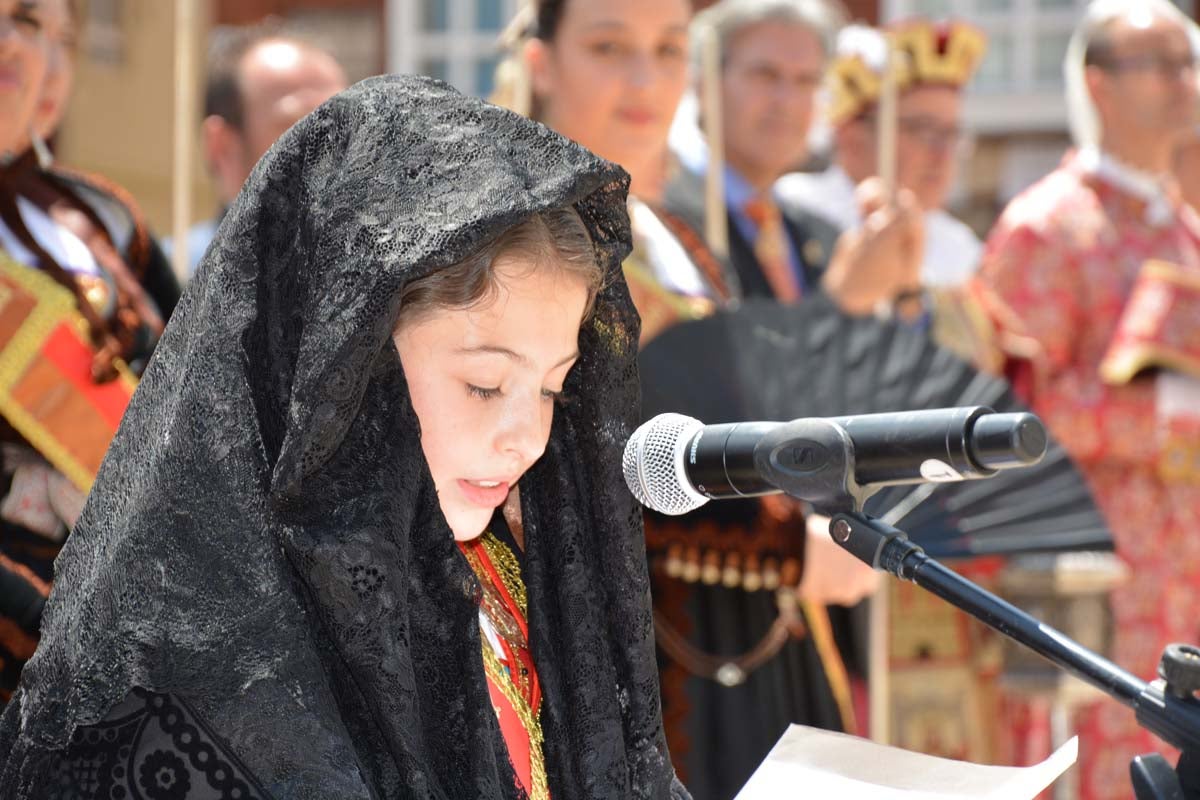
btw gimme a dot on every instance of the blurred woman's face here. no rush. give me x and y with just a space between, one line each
25 30
613 74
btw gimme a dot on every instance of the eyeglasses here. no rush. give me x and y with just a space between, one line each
927 131
931 133
1165 65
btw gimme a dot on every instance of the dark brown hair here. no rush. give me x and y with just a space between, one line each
554 239
549 16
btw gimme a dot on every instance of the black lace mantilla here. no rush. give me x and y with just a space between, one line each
263 548
151 746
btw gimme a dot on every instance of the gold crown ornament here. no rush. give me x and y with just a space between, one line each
926 53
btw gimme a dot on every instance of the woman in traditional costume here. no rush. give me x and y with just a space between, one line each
85 294
281 585
740 661
610 76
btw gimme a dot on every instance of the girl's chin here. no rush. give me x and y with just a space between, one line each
466 527
466 536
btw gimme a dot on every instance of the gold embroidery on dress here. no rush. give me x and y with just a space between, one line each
514 685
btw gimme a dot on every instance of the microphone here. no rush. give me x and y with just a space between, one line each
674 463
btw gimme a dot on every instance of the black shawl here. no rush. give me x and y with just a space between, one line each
264 544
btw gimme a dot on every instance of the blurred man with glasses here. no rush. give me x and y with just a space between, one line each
934 62
774 55
1092 276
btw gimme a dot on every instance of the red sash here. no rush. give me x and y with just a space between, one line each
512 680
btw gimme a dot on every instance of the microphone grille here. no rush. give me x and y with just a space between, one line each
653 464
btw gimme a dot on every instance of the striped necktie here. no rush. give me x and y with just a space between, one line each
771 248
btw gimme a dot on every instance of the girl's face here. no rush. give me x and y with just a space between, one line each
484 381
24 37
613 75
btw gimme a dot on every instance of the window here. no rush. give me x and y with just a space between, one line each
454 40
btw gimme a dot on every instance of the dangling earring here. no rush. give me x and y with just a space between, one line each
45 158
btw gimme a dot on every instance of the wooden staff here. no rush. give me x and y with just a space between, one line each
879 691
886 124
185 104
716 223
878 646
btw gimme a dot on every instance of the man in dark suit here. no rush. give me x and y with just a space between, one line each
773 60
721 727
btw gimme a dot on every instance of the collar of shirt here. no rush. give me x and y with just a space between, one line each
1145 186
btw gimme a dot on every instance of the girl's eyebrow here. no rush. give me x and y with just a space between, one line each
509 354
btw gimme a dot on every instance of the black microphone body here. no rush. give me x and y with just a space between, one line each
829 460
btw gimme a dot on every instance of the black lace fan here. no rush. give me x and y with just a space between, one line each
766 361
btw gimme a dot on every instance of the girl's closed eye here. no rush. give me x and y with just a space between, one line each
482 392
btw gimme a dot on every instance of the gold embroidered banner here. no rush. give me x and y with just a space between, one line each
46 389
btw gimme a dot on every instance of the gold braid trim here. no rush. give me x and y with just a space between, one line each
529 719
510 571
510 574
54 305
1134 358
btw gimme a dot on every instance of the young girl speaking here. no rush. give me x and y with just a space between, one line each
281 585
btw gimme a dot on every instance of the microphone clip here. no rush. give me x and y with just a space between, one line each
812 459
876 543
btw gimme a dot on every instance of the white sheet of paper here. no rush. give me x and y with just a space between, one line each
808 762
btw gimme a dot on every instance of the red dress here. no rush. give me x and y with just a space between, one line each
512 680
1058 276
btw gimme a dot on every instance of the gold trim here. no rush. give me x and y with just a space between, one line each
529 719
54 305
1172 273
1179 462
854 85
962 326
510 570
819 628
510 575
1134 358
686 307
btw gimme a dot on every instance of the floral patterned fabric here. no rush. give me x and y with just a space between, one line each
151 746
1057 275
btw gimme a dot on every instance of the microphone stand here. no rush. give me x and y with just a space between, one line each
1167 707
813 459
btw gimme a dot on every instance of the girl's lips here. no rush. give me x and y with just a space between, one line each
486 496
